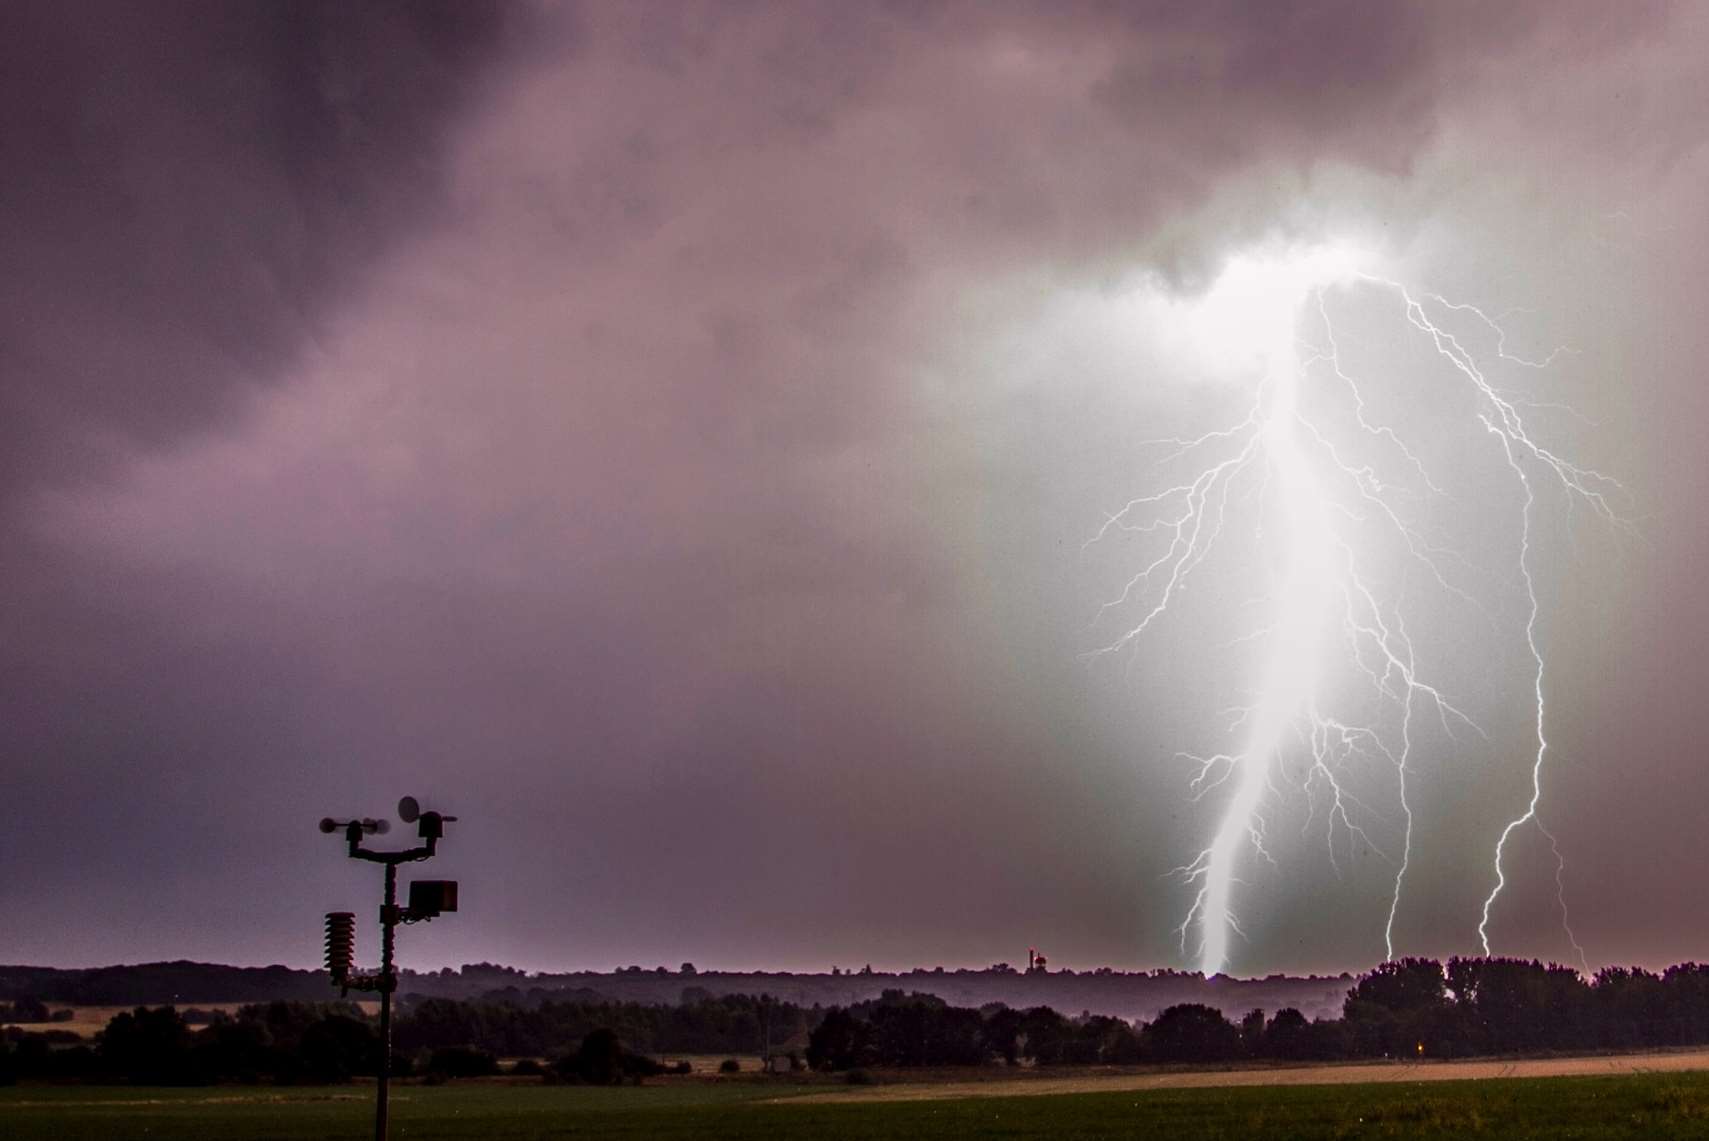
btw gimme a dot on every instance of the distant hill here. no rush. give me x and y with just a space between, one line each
1131 995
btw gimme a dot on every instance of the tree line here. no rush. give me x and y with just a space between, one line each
292 1041
731 1024
1412 1007
1475 1006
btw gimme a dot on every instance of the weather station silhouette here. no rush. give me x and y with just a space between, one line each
427 900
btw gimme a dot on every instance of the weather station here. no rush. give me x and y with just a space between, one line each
428 899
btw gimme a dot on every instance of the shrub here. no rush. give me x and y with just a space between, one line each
527 1068
602 1061
24 1010
729 1066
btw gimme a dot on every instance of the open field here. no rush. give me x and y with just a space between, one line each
1591 1108
1000 1084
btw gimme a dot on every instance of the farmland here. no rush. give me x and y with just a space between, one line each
1636 1101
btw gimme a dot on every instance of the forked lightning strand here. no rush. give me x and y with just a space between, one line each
1320 506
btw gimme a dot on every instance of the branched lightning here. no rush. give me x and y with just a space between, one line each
1320 498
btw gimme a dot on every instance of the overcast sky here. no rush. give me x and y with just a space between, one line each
667 436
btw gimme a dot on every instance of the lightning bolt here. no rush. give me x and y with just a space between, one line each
1317 500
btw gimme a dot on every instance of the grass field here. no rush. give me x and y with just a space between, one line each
1628 1106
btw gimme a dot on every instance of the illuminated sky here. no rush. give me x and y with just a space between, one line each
668 436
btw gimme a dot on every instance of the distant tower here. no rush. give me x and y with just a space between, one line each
1035 961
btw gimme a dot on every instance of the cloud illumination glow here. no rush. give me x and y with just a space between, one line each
1336 685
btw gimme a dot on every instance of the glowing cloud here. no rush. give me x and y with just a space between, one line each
1248 316
1329 496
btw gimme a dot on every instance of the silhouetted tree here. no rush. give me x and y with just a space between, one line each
1046 1036
1631 1005
1403 986
150 1045
1397 1006
1510 1005
1252 1032
240 1050
602 1060
840 1042
1687 988
1287 1037
1003 1032
336 1049
599 1060
1111 1040
926 1031
1192 1032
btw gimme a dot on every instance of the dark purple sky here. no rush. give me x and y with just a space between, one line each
665 436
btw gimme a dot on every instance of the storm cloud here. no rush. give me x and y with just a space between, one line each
665 435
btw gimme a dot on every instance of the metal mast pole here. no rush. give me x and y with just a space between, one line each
388 983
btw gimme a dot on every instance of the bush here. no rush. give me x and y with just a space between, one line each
860 1078
602 1061
24 1010
729 1066
682 1068
527 1068
600 1058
